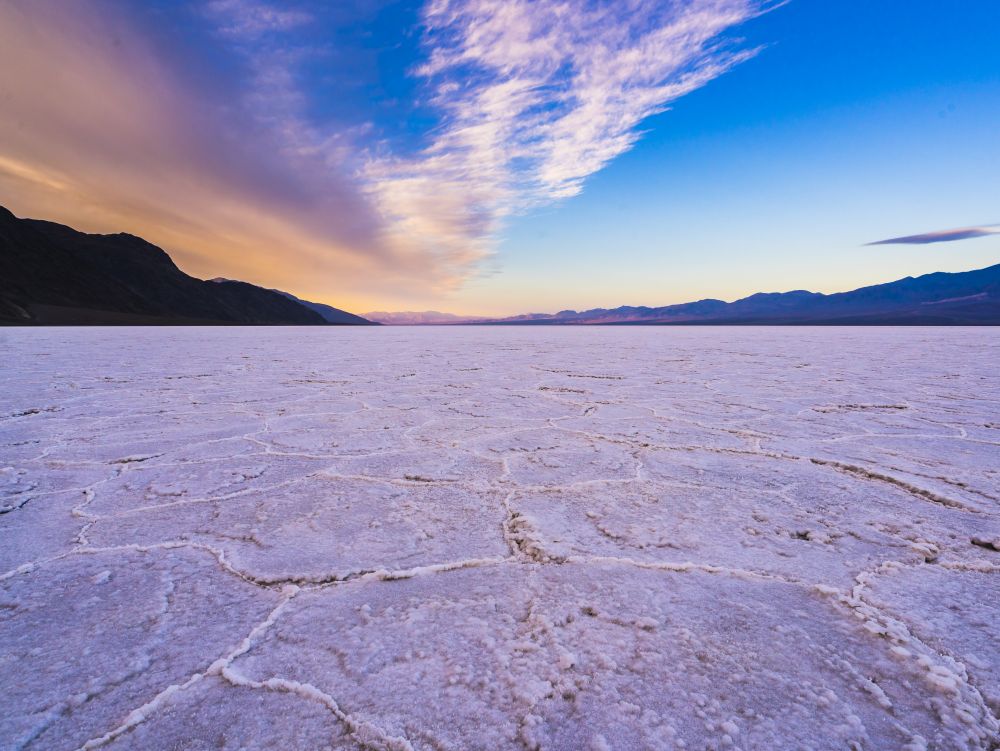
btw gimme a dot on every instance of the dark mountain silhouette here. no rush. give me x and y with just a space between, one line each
329 313
965 298
52 274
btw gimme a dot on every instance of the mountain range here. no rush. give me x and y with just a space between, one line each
968 298
964 298
423 317
52 274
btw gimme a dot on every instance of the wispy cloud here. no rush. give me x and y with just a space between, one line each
535 96
942 236
247 20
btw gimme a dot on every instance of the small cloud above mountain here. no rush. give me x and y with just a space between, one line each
942 236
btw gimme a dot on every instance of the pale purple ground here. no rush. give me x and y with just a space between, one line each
499 538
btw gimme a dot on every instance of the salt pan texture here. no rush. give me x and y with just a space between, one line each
496 538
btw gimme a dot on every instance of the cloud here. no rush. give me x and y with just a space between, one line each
942 236
99 128
98 131
248 20
535 96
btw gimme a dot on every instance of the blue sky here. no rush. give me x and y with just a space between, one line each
505 157
857 122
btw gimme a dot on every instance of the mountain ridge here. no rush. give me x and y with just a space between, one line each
51 274
938 298
959 298
330 314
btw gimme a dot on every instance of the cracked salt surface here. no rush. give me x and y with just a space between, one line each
490 538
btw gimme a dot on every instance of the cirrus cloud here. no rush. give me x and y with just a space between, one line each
535 96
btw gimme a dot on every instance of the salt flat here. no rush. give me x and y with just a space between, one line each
500 538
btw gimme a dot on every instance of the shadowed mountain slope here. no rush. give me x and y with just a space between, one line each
52 274
330 314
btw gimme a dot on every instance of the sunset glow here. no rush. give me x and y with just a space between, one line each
503 157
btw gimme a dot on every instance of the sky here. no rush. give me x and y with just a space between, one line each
493 157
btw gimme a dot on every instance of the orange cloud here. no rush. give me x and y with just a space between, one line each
96 131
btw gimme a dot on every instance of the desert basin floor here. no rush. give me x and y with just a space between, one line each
500 538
